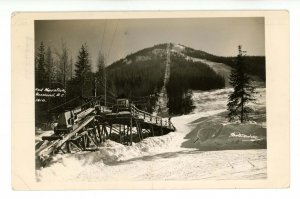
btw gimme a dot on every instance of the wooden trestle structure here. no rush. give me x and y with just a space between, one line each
86 127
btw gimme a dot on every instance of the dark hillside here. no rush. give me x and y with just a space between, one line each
255 65
139 74
186 76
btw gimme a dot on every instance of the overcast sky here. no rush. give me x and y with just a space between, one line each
219 36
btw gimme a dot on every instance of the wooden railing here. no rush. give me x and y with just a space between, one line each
147 117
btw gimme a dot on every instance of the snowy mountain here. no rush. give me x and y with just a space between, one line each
170 71
255 65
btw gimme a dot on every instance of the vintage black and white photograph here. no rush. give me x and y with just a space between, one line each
150 99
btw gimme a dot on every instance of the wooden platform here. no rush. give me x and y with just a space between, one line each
97 124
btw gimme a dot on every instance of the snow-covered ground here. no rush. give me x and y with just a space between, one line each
177 155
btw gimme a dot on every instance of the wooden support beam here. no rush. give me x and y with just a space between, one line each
99 133
84 142
92 130
152 131
58 143
87 141
52 137
131 131
97 139
91 140
116 130
105 131
138 130
110 131
73 143
68 146
60 149
141 131
127 134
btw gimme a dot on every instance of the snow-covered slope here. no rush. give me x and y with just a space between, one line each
220 68
175 156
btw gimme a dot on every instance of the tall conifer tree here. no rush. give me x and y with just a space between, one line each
40 71
243 91
82 67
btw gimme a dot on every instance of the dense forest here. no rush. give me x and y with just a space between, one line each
187 75
55 71
139 76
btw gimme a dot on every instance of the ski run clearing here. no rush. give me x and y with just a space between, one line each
204 146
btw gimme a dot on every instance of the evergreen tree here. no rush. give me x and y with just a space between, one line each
49 65
82 67
40 72
243 91
100 67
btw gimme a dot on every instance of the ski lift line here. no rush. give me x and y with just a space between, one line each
113 39
108 91
103 86
103 36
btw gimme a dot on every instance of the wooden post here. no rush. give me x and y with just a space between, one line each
95 133
138 130
110 131
161 131
131 131
123 134
105 130
83 142
152 130
141 130
87 141
99 132
68 146
120 132
102 132
127 134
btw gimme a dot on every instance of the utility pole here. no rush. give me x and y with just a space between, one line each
65 80
71 68
104 86
95 87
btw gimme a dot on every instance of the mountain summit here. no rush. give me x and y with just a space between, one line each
143 73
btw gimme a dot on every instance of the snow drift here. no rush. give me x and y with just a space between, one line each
197 150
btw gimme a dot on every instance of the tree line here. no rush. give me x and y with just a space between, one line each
139 76
254 65
56 69
186 76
